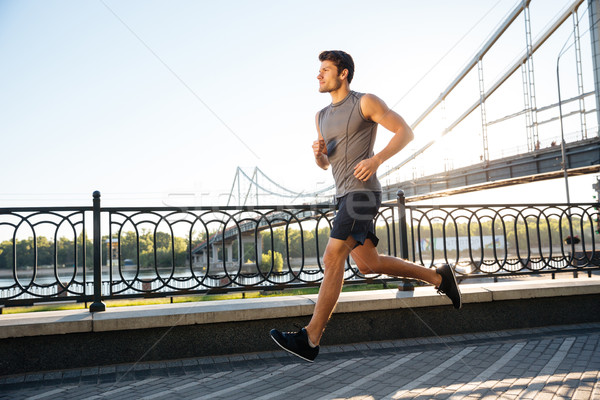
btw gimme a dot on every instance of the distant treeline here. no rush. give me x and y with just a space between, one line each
68 253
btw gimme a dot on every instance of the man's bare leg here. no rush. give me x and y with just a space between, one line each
369 261
335 256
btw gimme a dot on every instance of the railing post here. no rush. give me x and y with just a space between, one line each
402 225
97 305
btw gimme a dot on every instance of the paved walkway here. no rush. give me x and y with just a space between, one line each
561 362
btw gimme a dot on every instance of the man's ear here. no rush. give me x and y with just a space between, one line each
344 73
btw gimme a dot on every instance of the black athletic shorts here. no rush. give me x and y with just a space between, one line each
355 215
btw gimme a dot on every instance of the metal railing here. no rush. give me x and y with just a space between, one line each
497 240
46 255
43 255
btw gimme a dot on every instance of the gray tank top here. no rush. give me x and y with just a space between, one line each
349 138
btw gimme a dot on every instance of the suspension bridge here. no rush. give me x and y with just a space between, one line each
537 120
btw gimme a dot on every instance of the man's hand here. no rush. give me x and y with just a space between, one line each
320 151
366 169
319 148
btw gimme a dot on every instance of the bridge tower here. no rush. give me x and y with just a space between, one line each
594 13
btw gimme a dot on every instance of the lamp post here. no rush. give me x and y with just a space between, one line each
562 130
562 139
571 257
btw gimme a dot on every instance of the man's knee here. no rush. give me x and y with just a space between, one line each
332 260
336 254
363 268
370 266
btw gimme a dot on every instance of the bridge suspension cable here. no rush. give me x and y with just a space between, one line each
253 183
474 62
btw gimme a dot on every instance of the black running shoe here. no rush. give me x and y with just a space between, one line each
295 343
449 287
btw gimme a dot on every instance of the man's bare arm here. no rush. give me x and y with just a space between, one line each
376 110
319 148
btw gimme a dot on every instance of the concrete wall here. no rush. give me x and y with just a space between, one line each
73 339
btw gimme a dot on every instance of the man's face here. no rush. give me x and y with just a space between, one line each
328 77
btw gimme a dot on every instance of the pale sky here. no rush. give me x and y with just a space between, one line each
145 100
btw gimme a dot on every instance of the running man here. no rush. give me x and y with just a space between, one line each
346 135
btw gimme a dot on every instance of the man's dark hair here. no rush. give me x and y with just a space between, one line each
341 59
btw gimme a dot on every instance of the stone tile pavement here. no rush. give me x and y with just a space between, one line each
560 362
